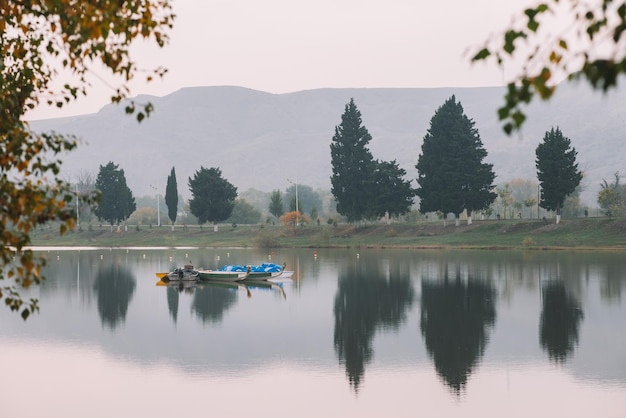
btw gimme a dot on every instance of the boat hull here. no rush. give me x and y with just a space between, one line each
224 276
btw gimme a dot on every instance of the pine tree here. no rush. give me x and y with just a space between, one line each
451 175
171 197
394 195
213 196
557 170
353 164
116 199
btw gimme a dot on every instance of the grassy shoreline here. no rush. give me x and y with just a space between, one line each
570 234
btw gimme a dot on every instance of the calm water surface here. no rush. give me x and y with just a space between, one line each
355 333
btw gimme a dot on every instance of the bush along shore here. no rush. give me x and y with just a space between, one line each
580 233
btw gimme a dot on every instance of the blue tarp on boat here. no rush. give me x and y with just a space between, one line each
265 267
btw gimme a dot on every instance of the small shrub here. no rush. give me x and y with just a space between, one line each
528 242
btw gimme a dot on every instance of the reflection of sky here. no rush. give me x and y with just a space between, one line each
96 385
287 344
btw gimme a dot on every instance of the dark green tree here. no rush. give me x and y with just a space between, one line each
557 170
213 197
171 197
244 213
352 164
393 194
451 174
277 207
116 199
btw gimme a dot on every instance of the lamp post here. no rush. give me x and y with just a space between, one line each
158 206
297 211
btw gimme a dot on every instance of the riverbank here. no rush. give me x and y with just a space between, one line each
587 233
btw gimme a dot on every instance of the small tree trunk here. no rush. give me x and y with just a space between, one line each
215 228
457 219
558 218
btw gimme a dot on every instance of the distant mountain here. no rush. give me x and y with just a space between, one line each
260 140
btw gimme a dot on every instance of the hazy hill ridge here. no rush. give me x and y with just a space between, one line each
259 140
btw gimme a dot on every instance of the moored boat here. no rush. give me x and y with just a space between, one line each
185 273
222 275
264 271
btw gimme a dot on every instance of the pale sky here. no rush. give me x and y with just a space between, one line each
281 46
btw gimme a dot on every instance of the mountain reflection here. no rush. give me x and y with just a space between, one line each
455 317
367 299
114 286
561 315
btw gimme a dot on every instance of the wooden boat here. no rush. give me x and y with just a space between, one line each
185 273
221 275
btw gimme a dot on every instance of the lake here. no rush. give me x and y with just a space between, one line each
353 333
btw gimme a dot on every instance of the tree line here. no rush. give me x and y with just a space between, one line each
452 177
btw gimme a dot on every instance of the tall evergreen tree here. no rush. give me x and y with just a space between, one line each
557 170
353 165
277 206
394 195
171 197
451 175
116 199
213 196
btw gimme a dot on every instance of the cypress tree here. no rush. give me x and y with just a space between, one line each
171 197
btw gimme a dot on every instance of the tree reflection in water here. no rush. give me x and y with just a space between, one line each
211 301
561 315
455 317
172 302
114 286
366 300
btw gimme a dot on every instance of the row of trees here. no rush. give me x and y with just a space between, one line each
452 177
213 197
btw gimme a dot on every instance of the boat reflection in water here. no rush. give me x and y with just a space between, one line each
211 298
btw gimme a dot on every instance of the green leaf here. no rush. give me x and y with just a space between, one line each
509 40
481 55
